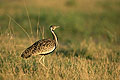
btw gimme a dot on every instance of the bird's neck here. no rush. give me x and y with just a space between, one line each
54 37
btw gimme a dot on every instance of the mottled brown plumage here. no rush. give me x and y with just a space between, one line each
42 47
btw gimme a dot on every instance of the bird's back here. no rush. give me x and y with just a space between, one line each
41 47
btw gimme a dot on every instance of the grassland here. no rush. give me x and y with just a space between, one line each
89 39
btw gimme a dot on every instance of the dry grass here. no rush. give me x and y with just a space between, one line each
92 62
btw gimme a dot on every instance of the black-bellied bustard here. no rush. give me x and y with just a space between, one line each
42 47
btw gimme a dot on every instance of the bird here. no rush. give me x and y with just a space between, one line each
42 47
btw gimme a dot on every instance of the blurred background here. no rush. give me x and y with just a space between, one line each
79 19
89 39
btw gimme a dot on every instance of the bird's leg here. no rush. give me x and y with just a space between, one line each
43 57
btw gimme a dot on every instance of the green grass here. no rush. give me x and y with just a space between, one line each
89 40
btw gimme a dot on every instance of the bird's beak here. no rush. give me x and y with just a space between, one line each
57 26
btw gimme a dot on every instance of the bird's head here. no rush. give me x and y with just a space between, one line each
53 27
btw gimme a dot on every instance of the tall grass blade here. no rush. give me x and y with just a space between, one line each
42 32
21 28
28 17
37 28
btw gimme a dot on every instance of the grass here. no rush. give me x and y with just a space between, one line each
89 39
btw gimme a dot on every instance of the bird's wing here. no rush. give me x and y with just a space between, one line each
44 46
40 47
